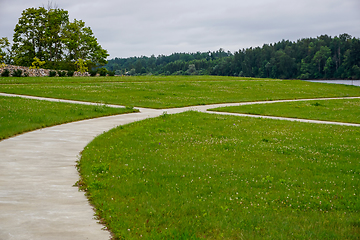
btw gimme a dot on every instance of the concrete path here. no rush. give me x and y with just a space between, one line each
286 119
199 108
56 100
37 172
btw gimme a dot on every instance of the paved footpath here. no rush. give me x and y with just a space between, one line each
37 174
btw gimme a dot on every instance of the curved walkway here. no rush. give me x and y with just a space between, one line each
37 172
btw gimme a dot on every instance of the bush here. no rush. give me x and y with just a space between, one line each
17 73
5 73
70 73
61 73
52 74
111 73
102 71
92 73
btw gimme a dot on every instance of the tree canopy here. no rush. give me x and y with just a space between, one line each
308 58
48 35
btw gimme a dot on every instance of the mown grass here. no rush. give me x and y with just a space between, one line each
18 115
339 110
205 176
174 91
150 78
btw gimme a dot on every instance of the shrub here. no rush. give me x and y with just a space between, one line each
92 73
111 73
70 73
5 73
17 73
52 74
102 71
61 73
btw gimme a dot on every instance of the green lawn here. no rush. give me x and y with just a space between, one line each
18 115
173 91
42 80
340 110
197 175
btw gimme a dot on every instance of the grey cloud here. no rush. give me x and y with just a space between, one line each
138 27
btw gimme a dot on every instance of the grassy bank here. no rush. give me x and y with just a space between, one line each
345 110
20 115
195 176
174 91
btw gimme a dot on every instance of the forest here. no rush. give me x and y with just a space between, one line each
323 57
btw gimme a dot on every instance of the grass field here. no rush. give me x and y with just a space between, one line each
18 115
172 91
205 176
341 110
196 176
150 78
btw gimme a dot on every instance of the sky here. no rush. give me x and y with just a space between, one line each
128 28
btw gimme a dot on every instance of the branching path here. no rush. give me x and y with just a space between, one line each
37 172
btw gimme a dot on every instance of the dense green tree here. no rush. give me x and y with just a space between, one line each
49 36
355 72
29 37
329 67
304 70
320 58
56 22
80 42
139 66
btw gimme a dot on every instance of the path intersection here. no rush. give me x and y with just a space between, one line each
37 174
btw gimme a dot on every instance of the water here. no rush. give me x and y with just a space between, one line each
346 82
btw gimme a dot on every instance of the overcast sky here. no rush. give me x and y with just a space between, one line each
129 28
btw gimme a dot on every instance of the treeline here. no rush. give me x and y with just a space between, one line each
48 35
324 57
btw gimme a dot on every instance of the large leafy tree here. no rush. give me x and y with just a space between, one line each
29 37
80 43
49 35
55 25
320 58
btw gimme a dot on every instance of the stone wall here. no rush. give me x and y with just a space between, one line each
36 72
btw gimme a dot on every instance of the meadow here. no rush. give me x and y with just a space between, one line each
338 110
19 115
205 176
172 91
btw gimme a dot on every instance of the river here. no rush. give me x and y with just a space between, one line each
346 82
